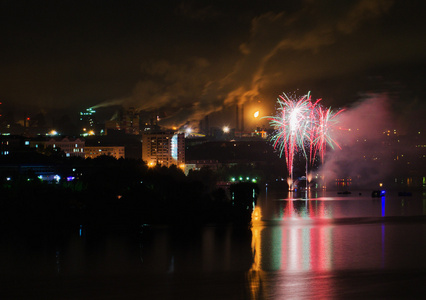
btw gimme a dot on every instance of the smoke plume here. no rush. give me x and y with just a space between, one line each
281 47
366 155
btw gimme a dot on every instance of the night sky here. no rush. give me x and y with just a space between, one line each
188 59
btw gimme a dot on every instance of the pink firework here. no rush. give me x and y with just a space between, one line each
292 124
301 125
326 121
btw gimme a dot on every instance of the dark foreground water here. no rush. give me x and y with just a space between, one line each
329 247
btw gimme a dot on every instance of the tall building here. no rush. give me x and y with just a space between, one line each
126 121
130 121
88 118
164 148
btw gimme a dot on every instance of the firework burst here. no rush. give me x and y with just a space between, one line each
302 125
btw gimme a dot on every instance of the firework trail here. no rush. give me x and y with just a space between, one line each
302 125
326 121
291 125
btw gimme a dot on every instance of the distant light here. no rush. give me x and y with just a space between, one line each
233 179
253 180
53 132
57 178
70 178
8 178
256 114
225 129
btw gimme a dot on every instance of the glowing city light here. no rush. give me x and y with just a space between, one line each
225 129
256 114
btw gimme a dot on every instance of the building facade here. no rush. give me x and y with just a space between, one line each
95 151
164 148
70 146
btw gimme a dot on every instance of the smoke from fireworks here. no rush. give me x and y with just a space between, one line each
302 125
367 153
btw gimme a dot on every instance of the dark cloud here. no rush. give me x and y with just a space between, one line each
192 58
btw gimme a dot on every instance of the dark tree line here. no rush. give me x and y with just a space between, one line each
105 190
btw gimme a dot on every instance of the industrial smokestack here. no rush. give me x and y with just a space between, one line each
206 125
237 121
242 117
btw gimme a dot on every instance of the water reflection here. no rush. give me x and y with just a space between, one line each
295 248
289 250
294 244
299 244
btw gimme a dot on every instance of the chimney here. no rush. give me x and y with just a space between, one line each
242 117
237 127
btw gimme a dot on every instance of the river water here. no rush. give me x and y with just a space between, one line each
330 246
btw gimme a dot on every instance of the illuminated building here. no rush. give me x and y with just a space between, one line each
88 117
12 143
131 143
164 148
70 146
114 151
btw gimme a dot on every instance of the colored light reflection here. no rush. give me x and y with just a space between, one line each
299 246
295 247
